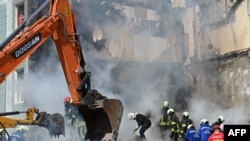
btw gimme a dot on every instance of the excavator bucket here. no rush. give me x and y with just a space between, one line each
102 117
53 122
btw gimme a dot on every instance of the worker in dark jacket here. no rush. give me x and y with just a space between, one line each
219 121
174 125
164 123
184 124
69 112
73 117
142 122
19 134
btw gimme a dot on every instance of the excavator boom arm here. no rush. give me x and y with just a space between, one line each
102 115
24 44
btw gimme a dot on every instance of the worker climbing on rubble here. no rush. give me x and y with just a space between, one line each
142 122
205 129
217 134
164 123
192 134
219 121
19 134
185 121
73 117
174 125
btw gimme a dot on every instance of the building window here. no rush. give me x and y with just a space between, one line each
18 76
20 14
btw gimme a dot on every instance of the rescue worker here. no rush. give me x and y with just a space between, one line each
217 134
74 118
219 121
69 111
164 123
142 122
205 129
191 134
19 134
174 125
184 124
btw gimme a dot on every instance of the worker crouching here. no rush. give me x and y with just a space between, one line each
142 122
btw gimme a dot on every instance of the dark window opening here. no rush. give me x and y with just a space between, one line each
20 14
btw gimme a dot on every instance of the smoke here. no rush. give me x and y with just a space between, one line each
141 83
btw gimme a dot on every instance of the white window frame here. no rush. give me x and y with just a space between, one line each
16 12
18 96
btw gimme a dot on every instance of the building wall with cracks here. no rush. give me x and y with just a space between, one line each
194 31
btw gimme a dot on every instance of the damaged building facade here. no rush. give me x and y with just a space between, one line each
206 41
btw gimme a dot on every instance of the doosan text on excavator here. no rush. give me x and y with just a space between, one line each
101 114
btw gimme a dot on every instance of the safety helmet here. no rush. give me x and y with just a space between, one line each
22 128
221 119
131 115
165 103
185 114
190 125
170 111
67 99
203 121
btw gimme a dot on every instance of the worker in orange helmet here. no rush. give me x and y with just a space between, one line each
217 134
69 111
73 118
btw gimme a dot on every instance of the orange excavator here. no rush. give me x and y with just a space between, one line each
102 115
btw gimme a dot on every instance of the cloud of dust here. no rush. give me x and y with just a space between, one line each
141 86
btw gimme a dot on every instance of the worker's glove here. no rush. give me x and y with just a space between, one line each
70 122
180 138
136 128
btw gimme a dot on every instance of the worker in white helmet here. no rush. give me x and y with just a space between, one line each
205 129
219 121
19 134
174 125
185 121
142 122
164 123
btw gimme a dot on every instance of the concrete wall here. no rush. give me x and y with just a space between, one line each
235 35
231 78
